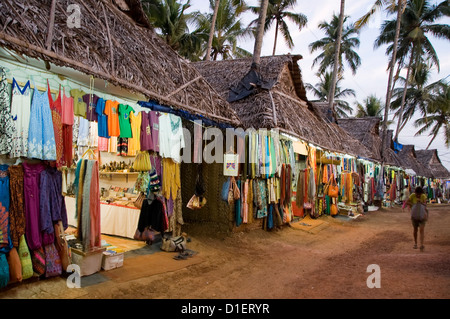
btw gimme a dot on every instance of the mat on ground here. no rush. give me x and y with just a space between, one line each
149 265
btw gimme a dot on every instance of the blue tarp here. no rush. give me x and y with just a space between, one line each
155 106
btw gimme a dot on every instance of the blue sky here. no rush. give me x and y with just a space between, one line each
371 77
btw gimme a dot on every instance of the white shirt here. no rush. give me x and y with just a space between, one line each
171 137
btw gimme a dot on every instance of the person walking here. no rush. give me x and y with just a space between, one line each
418 201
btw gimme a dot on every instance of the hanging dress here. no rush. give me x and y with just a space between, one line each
41 137
56 110
6 123
20 114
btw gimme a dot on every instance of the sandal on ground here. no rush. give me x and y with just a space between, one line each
188 253
179 257
422 248
415 246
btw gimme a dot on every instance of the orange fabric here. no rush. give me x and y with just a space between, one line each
112 110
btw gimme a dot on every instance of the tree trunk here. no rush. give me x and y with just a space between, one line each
276 37
260 35
212 30
400 6
405 89
336 61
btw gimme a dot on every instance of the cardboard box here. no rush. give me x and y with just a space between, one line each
89 262
112 260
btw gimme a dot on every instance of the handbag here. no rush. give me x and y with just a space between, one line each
333 210
333 188
419 212
53 265
225 190
196 202
138 202
25 259
148 235
142 162
38 261
62 246
15 268
172 244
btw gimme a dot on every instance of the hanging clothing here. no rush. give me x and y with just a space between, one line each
171 137
122 146
87 205
171 181
51 201
146 132
237 207
31 181
41 136
67 109
5 236
56 110
112 111
83 132
7 128
20 115
91 101
152 215
124 121
102 119
17 205
134 143
79 106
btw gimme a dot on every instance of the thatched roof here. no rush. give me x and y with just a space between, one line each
430 159
389 155
114 43
285 106
366 130
409 159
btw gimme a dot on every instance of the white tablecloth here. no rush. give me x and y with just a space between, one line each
114 220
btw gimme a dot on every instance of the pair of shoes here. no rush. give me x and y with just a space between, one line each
415 246
422 248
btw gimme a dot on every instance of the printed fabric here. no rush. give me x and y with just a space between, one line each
20 115
7 130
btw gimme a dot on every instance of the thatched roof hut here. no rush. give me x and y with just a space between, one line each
366 130
115 43
408 156
430 159
283 106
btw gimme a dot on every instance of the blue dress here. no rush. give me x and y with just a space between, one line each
41 136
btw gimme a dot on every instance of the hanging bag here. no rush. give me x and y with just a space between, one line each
4 271
333 188
15 268
142 162
53 265
25 259
225 190
138 202
419 212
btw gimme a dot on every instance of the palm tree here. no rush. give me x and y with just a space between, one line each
362 22
438 114
417 22
228 29
418 94
349 42
277 11
371 107
170 19
322 91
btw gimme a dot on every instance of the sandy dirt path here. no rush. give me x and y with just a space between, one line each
294 264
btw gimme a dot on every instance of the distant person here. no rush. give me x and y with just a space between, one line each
418 198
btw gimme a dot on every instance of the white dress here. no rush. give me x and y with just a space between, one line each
20 113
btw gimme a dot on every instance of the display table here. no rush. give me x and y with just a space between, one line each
114 220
